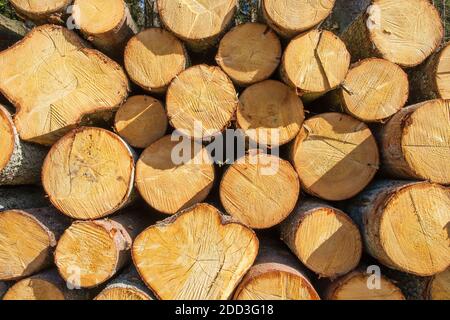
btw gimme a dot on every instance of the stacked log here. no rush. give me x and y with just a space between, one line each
41 12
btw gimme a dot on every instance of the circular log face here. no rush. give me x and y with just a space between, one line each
405 32
141 121
443 73
201 101
6 137
170 179
122 294
34 289
413 230
249 53
374 90
86 254
270 113
89 173
294 16
440 286
335 156
260 190
315 62
426 144
195 255
328 242
196 20
99 16
153 58
38 7
32 245
354 286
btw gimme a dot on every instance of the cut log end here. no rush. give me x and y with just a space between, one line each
443 73
34 289
335 155
7 141
153 58
374 90
178 259
41 11
439 287
260 190
201 102
290 18
249 53
89 173
169 184
141 121
315 63
270 113
122 294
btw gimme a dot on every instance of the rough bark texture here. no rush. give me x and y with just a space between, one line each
23 197
344 13
11 31
413 287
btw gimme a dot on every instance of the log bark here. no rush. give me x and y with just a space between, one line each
276 275
181 260
51 99
388 29
335 155
168 190
11 31
153 58
89 173
108 24
270 113
20 161
23 197
413 147
405 225
127 286
196 114
290 18
41 12
344 13
199 25
45 286
249 53
141 121
315 63
324 238
431 79
35 233
373 90
90 253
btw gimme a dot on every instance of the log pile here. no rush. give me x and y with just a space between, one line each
119 179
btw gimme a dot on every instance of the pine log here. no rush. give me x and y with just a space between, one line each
20 161
23 197
249 53
198 24
153 58
405 225
314 63
431 80
89 173
415 146
11 31
201 102
27 240
292 17
439 287
354 286
141 121
335 155
44 286
404 32
61 85
127 286
259 190
324 238
198 254
270 113
41 12
169 185
276 275
108 24
90 253
374 90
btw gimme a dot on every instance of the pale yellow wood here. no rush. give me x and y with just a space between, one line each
122 294
6 137
141 121
40 11
443 73
197 254
440 286
270 113
34 289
